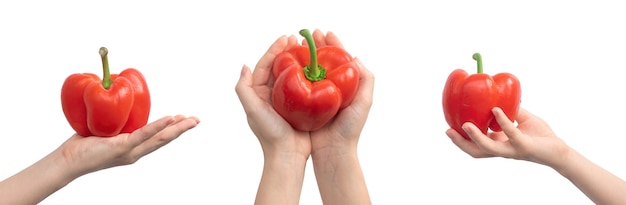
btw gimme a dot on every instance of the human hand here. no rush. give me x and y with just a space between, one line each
342 133
532 140
83 155
254 91
80 155
333 147
285 149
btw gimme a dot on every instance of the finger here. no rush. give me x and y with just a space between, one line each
523 115
196 119
319 38
292 41
164 137
365 91
263 68
465 145
180 118
485 143
507 126
246 94
146 132
332 40
498 136
177 118
245 80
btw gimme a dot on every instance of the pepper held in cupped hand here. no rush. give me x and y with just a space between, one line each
119 103
312 85
470 98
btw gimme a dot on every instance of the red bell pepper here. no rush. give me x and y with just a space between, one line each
119 103
313 84
470 98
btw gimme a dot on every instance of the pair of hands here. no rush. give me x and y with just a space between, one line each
274 133
286 150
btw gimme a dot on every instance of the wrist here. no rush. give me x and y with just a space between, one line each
333 147
334 156
567 163
284 158
56 165
291 149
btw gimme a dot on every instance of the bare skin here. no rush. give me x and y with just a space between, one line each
332 148
80 155
533 140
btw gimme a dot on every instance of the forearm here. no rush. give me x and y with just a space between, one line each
33 184
281 182
601 186
340 178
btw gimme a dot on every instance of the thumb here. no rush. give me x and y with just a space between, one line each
244 89
244 77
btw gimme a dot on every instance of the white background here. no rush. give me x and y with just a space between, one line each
567 56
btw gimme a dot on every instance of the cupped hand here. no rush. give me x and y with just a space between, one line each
343 131
531 140
255 90
84 155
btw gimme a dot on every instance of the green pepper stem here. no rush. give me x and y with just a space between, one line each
106 77
479 61
313 71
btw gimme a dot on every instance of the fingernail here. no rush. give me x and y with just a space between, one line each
449 133
494 109
465 128
243 71
171 120
357 60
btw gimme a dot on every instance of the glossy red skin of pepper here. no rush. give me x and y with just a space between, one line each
92 110
308 105
470 98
